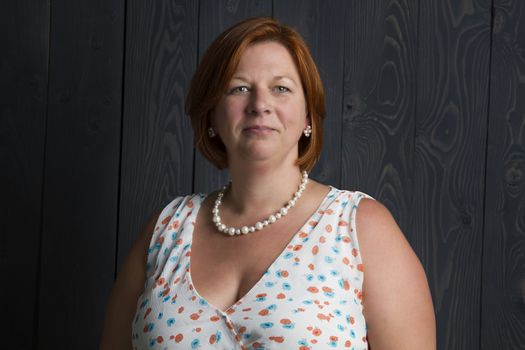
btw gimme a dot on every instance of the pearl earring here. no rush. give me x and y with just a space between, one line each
307 131
211 132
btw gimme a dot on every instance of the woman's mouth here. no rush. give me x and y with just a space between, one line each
258 130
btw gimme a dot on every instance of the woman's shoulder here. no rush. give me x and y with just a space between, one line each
387 255
390 265
355 196
179 203
373 221
179 200
176 207
376 227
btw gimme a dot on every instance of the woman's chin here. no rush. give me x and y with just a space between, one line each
259 153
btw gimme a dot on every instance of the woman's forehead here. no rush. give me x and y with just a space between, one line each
267 58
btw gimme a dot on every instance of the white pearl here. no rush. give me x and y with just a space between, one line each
259 225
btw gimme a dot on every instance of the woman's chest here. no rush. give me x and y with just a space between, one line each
224 269
300 300
309 295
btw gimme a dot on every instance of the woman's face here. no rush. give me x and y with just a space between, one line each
262 113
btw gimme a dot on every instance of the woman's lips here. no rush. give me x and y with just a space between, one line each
258 129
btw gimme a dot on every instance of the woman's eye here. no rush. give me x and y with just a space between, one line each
238 89
282 89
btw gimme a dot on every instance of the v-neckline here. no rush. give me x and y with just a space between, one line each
295 236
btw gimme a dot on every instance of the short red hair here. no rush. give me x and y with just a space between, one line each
217 68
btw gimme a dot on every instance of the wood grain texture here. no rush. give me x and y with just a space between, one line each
408 99
379 104
157 150
23 85
81 172
450 140
317 21
214 17
503 299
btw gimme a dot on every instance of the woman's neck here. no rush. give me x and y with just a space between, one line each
262 190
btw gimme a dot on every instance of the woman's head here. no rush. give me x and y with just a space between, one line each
217 68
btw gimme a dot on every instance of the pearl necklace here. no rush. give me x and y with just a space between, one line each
260 224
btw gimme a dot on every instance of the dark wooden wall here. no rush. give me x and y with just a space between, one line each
426 112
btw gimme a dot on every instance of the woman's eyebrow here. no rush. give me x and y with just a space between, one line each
284 77
275 79
240 78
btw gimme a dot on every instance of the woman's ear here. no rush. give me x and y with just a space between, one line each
211 119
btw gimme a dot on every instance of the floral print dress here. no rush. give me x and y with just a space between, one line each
309 297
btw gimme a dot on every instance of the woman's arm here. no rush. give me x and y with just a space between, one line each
116 334
397 302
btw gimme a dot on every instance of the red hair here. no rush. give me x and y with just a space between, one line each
217 68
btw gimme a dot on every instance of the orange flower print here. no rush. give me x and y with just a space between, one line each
309 297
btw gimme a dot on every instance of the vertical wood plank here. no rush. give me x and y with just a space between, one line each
214 17
450 140
317 21
157 149
503 299
81 172
379 104
23 85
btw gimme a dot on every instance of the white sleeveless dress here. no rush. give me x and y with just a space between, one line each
309 297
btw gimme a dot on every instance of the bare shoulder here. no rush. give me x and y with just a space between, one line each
377 229
381 241
396 297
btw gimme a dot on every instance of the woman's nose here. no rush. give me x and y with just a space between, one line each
260 102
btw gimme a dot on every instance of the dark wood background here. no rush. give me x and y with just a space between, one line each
426 112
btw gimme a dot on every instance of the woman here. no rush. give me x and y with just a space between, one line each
237 269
